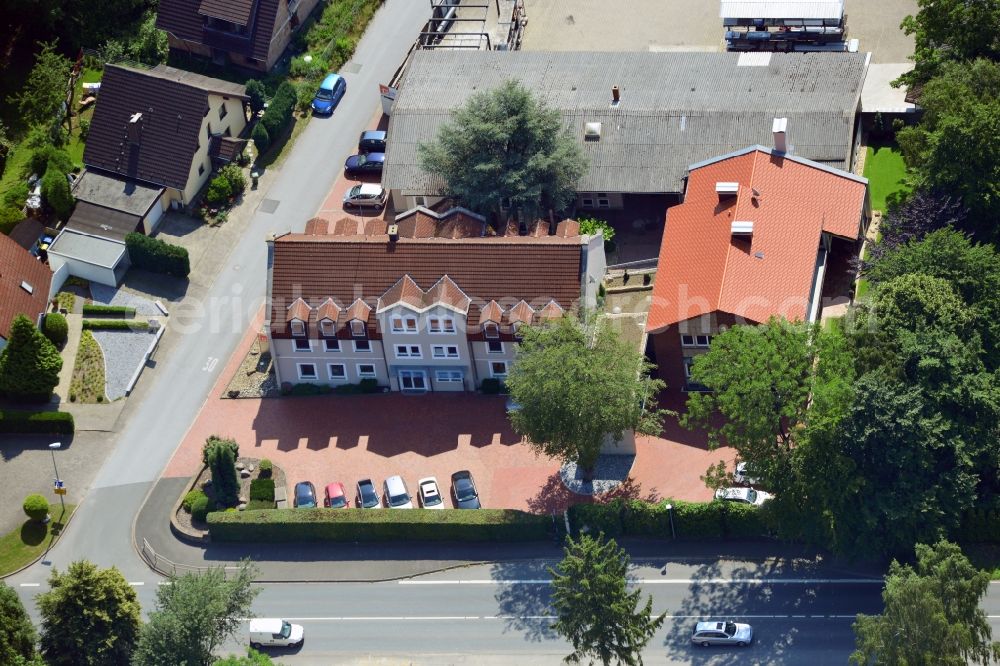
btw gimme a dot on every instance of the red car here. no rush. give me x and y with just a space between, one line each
335 496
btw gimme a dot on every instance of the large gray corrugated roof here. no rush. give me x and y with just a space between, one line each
675 109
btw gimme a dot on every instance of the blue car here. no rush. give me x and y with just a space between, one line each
305 495
365 163
330 92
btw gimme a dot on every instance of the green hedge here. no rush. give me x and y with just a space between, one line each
56 328
154 255
980 525
364 386
260 505
119 310
262 489
37 423
114 325
692 520
283 525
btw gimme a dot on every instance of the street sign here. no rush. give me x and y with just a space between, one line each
58 483
59 491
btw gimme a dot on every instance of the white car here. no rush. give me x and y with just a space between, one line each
744 475
396 494
722 633
429 493
274 632
743 495
366 195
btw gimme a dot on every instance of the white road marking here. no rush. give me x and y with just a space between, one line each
666 581
165 582
453 618
210 364
136 583
30 584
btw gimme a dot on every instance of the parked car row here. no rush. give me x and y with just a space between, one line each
369 160
394 494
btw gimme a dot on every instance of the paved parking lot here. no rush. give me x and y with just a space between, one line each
682 25
346 438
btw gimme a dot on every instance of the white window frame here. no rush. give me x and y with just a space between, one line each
499 375
363 341
298 350
449 376
298 328
315 372
491 330
413 374
497 342
366 375
689 342
358 328
327 327
698 340
408 351
336 378
326 345
688 362
445 325
443 351
407 324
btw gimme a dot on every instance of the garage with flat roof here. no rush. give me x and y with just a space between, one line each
89 257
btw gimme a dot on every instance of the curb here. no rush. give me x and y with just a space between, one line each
46 551
175 528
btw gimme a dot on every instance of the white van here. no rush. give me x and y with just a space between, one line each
274 632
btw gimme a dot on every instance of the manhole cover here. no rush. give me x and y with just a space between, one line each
269 205
351 68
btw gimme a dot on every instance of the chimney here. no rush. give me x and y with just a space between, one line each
393 233
615 97
134 127
780 130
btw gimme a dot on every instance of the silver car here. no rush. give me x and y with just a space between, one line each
722 633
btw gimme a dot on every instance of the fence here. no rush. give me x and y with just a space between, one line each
164 566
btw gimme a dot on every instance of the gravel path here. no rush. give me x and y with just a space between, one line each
106 295
609 472
124 352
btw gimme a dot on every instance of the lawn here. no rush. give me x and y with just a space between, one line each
885 171
25 544
87 384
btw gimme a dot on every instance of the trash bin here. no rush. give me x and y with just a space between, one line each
254 177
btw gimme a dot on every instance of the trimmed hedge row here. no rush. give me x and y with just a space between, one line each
121 310
692 520
37 423
114 325
281 525
364 386
154 255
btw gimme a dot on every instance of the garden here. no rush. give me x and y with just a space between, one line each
24 545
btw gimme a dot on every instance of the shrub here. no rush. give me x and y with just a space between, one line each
55 191
234 176
262 489
219 190
37 423
743 521
257 95
55 328
605 518
200 507
692 520
36 507
259 505
590 226
265 468
117 310
9 218
212 441
279 110
17 195
260 137
342 49
190 498
225 478
315 68
154 255
491 386
84 129
29 364
114 325
305 92
285 525
369 385
48 155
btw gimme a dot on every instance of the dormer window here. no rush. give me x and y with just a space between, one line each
491 330
440 324
327 327
358 328
298 328
402 324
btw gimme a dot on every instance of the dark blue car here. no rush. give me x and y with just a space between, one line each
366 163
330 92
305 495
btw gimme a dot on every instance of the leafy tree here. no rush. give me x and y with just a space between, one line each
55 192
921 213
45 90
261 139
29 364
257 94
576 384
17 634
950 30
253 658
931 615
150 45
760 378
194 615
595 610
225 478
89 616
48 156
505 145
953 147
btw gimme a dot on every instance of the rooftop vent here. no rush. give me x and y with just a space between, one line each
134 125
615 96
393 233
726 189
744 228
592 131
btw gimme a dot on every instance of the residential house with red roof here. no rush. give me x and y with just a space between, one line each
433 302
753 238
24 285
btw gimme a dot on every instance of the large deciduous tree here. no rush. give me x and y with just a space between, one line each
953 148
506 146
17 634
90 616
44 92
596 612
921 213
194 615
931 616
29 364
577 384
